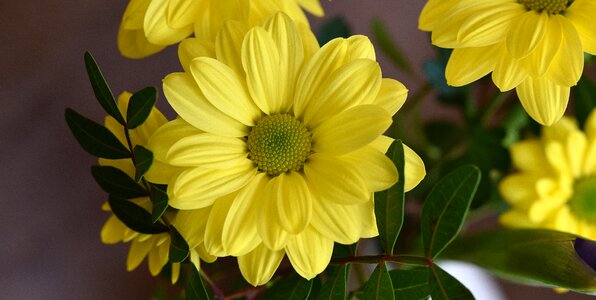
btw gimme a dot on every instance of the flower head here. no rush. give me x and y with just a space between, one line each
148 26
283 142
555 187
535 46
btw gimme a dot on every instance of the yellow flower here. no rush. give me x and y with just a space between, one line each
283 142
555 187
155 246
148 26
535 46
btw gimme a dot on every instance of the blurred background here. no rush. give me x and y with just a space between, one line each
51 217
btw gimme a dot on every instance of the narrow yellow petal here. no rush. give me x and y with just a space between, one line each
414 169
544 101
526 33
175 273
575 147
377 170
312 6
138 251
581 13
360 46
590 125
488 26
508 72
156 25
191 225
470 64
167 135
192 48
182 13
446 28
391 96
258 266
309 252
432 13
568 64
214 230
337 222
207 150
528 155
134 44
270 231
542 57
228 45
292 199
515 218
112 231
519 189
369 222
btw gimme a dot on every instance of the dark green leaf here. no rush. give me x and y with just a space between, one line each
334 28
139 106
143 160
389 47
94 138
445 287
389 204
379 286
340 250
115 182
584 100
134 216
514 121
101 89
159 198
335 286
291 287
446 207
195 288
179 250
410 284
537 257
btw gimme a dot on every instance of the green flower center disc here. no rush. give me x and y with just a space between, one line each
278 144
583 202
553 7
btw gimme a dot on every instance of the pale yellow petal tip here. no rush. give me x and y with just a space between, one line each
414 169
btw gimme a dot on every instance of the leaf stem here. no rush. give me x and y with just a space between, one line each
376 259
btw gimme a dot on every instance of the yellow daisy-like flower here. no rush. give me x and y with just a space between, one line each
148 26
555 187
155 246
535 46
283 142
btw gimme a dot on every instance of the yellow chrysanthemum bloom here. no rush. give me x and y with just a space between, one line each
148 26
155 246
555 187
535 46
282 140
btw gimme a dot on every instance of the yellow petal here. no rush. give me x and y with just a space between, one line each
182 13
258 266
488 26
192 48
156 25
519 189
382 143
337 222
270 231
191 225
240 234
335 180
138 251
526 33
207 150
528 155
359 46
369 221
560 130
175 272
350 130
214 230
589 167
134 44
377 170
292 199
391 96
199 187
312 6
581 13
432 13
355 83
508 72
228 45
112 231
134 14
309 41
189 102
543 100
590 125
260 59
167 135
514 218
542 57
470 64
568 64
309 252
224 89
414 169
158 258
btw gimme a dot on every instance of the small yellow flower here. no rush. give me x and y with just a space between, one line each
555 187
148 26
154 246
535 46
283 142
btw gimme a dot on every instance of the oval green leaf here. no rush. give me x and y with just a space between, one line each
179 249
195 288
290 287
134 216
143 160
445 208
159 198
115 182
335 286
139 106
444 286
94 138
410 284
379 285
101 89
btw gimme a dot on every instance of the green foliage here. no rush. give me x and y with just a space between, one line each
383 39
101 89
115 182
195 288
539 257
94 138
290 287
335 286
179 250
446 207
143 161
140 106
379 285
134 216
159 198
411 284
585 99
389 204
445 287
334 28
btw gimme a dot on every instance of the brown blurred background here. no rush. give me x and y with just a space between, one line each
50 212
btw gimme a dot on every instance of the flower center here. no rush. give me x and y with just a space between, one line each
278 144
552 7
583 202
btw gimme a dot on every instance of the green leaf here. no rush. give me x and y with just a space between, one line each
383 38
101 89
115 182
179 249
410 284
537 257
143 160
195 288
584 100
134 216
159 198
444 286
291 287
94 138
139 106
446 207
379 286
389 204
334 28
335 286
340 250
